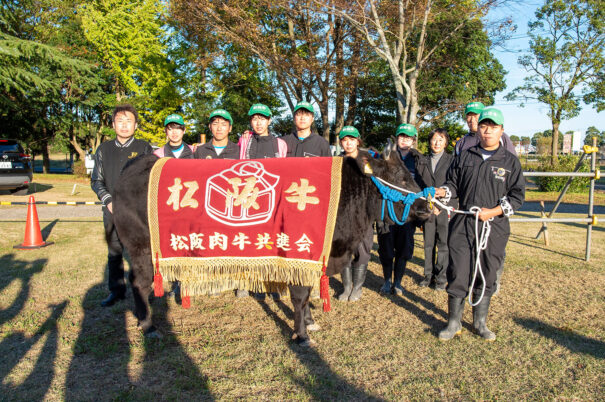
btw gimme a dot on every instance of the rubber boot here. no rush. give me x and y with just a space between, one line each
479 319
498 277
347 281
455 307
399 271
359 277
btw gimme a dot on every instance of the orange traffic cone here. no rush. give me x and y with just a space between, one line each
33 236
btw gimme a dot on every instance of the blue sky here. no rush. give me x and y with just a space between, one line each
526 121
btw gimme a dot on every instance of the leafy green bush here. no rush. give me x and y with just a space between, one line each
567 163
79 169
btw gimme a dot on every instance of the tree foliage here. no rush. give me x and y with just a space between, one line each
565 61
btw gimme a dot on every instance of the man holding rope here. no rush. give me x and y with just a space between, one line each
488 181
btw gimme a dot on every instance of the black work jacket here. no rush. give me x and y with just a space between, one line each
110 159
487 183
313 145
207 151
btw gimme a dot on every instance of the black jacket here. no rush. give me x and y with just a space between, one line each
487 183
471 139
313 145
110 159
186 154
207 151
438 177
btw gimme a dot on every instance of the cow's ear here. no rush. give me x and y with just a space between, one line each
390 148
369 165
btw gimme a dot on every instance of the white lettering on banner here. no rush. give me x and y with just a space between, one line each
195 241
263 240
178 242
283 242
304 243
218 239
240 240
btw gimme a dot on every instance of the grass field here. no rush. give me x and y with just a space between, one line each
57 343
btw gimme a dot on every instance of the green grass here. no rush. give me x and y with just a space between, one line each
58 343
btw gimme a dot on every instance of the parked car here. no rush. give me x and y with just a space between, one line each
15 167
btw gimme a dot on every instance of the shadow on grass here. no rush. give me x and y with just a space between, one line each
48 229
574 342
113 362
322 384
23 271
39 187
515 238
15 346
104 349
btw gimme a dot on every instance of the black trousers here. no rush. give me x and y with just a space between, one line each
362 255
436 253
395 242
115 261
463 255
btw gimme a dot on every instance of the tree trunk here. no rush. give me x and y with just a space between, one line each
554 157
340 77
325 118
74 143
45 156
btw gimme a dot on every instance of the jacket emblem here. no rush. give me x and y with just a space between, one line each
499 173
133 155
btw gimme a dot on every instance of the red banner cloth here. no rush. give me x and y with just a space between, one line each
249 224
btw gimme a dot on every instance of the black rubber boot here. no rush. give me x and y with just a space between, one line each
455 307
399 271
498 278
359 277
480 317
347 281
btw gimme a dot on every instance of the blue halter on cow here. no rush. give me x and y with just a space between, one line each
357 206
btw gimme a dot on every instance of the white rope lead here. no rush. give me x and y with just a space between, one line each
480 245
480 238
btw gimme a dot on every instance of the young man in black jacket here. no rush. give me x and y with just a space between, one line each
489 177
433 169
110 159
303 141
219 147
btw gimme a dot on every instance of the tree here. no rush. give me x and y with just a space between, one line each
415 37
592 131
566 56
130 42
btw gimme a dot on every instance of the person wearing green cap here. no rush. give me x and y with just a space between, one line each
354 274
471 114
174 127
219 147
489 177
260 143
396 242
303 141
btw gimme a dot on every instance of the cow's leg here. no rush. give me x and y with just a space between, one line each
141 278
309 322
300 300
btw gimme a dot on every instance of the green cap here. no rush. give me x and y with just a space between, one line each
493 114
407 129
348 131
259 108
474 107
221 113
174 118
304 105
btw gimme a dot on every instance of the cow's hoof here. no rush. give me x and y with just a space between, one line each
307 343
313 327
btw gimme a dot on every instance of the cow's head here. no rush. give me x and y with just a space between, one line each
392 170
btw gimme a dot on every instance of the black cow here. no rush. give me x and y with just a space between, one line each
359 207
